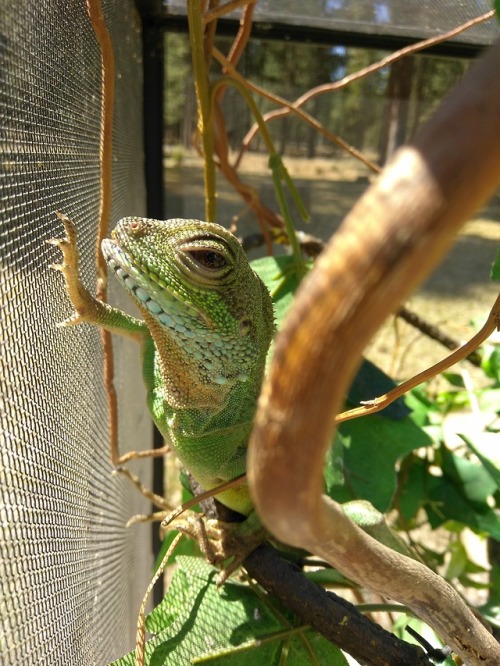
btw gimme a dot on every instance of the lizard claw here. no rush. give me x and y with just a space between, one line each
82 301
71 321
75 318
67 245
222 541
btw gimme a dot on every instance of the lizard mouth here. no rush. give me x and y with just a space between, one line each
152 294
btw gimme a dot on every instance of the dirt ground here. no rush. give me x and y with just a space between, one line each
456 297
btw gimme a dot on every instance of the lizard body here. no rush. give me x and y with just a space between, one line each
206 329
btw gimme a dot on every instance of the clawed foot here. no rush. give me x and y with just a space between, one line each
224 544
78 294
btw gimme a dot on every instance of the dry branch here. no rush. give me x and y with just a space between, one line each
393 237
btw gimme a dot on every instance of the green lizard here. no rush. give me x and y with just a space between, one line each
206 329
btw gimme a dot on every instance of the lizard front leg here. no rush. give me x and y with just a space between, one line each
90 310
87 308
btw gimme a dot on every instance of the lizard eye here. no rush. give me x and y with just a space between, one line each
209 259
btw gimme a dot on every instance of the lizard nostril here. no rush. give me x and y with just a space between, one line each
136 226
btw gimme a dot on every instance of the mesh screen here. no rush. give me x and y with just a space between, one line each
416 19
71 574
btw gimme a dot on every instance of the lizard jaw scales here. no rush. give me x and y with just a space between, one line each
144 289
111 251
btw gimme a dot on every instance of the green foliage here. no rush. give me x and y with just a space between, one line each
491 366
363 445
197 623
456 487
395 460
459 495
495 269
361 463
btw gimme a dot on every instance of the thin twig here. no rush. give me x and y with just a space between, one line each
365 71
383 401
204 106
241 39
291 108
96 17
213 14
141 620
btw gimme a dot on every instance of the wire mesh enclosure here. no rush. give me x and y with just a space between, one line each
71 574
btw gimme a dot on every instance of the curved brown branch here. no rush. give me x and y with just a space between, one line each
241 39
394 236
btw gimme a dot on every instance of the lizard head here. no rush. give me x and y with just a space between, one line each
203 303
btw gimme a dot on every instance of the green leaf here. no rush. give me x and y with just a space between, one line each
474 482
413 489
491 365
495 269
457 562
422 407
486 449
327 577
197 623
361 462
369 383
297 653
282 283
454 379
446 502
278 276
